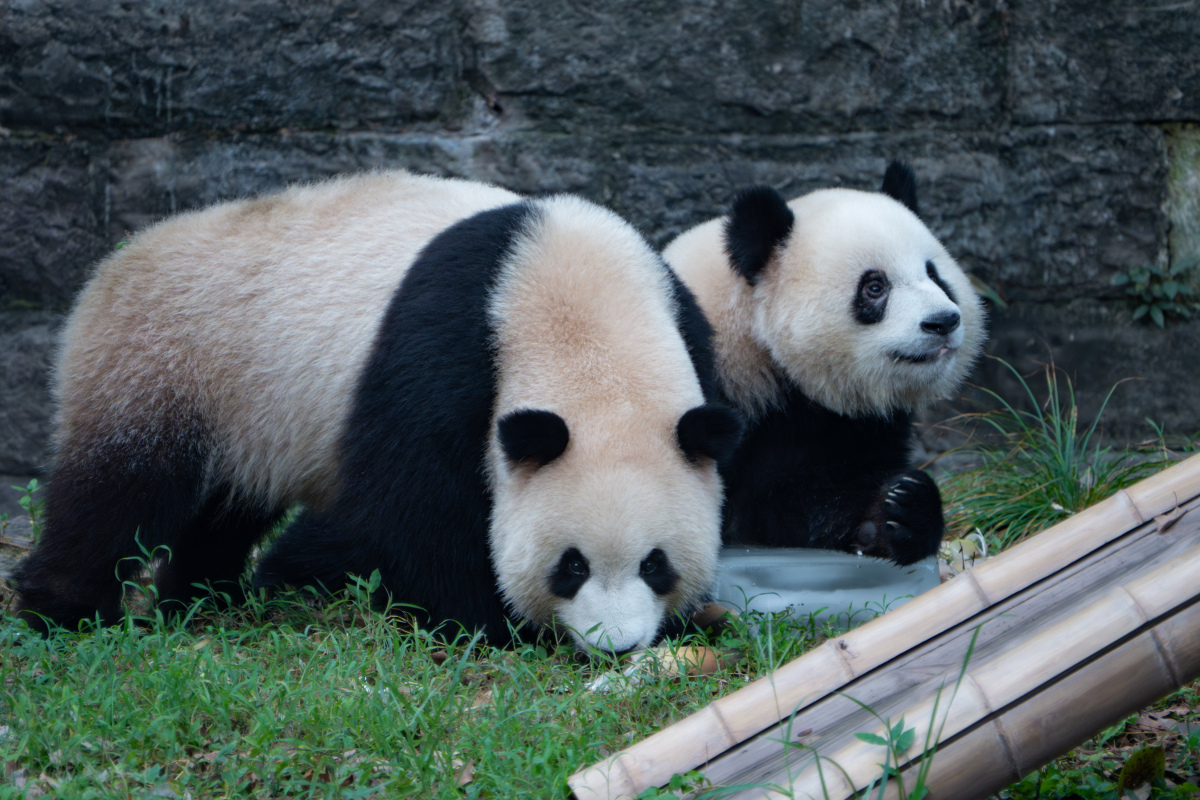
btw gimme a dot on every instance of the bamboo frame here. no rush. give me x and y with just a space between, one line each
999 751
1082 591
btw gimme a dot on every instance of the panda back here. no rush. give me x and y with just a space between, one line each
550 305
588 323
250 323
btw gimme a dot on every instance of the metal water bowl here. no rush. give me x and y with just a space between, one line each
822 584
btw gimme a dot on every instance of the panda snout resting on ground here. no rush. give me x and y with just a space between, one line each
498 403
836 316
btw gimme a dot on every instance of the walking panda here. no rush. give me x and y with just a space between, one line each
490 400
836 315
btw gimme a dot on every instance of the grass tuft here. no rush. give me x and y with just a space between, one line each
1039 466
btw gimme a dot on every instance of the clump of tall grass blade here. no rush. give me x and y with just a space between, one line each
1038 467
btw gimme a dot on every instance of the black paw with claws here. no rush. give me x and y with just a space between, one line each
905 525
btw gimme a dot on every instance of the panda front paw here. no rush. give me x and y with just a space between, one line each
906 523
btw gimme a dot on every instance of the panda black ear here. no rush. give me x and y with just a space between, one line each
709 430
759 221
900 183
532 435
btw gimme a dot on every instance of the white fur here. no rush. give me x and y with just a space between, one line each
251 320
587 330
798 319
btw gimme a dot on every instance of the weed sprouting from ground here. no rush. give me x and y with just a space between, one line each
1160 292
32 506
1039 466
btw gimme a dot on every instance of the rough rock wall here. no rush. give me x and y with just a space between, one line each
1055 141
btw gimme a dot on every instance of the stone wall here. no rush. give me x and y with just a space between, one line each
1055 141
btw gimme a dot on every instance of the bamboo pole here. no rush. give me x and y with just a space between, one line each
730 721
999 751
1032 666
1000 748
916 674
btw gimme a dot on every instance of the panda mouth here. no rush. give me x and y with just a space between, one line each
925 358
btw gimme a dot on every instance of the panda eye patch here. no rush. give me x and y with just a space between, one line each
871 299
571 572
932 272
657 572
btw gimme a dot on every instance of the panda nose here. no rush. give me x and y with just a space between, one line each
941 324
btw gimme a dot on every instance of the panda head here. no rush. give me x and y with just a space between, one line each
602 453
606 544
854 298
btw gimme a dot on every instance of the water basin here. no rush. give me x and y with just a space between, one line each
822 583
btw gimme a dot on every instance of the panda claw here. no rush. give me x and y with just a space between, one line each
910 479
893 525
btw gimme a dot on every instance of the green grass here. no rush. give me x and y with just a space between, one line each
306 697
1039 464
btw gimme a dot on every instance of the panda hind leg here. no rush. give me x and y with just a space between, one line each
208 557
309 553
104 510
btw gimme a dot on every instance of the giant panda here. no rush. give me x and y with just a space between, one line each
836 316
491 400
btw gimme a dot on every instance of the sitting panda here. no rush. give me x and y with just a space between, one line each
491 400
836 315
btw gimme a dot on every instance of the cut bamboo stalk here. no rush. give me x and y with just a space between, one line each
1036 662
1041 556
1000 751
1085 545
1168 489
919 672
